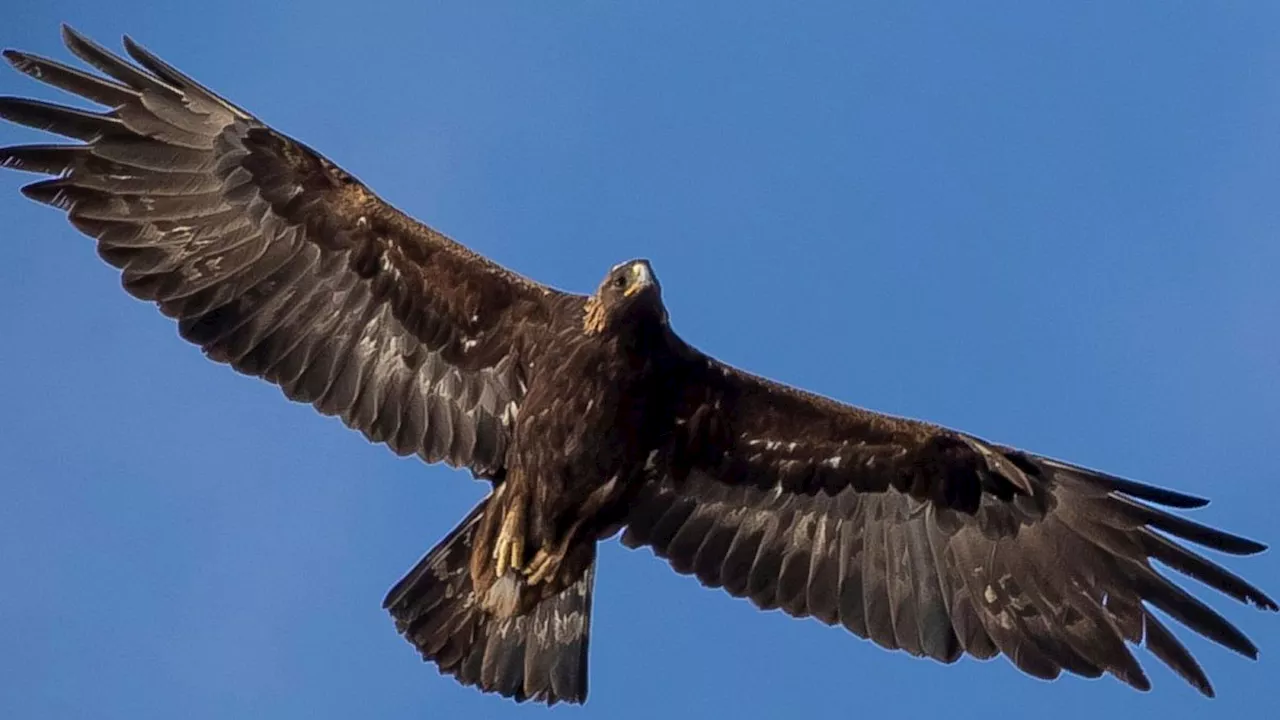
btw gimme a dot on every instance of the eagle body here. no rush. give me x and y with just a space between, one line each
598 405
587 414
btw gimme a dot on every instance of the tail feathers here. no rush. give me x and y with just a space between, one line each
541 655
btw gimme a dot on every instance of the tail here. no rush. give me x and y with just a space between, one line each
541 655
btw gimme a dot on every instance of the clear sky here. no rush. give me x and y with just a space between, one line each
1058 229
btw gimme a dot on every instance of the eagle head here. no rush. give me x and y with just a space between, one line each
629 294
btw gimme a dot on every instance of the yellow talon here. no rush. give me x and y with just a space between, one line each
539 568
508 551
517 552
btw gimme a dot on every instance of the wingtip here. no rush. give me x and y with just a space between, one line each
79 43
1187 502
51 192
24 62
14 56
69 34
137 51
1137 679
1200 682
1159 495
1245 546
36 191
1131 488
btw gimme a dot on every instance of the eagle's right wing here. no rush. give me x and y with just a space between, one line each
279 263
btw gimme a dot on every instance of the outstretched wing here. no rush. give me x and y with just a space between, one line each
924 539
279 263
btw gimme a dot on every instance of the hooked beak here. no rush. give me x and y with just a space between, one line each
641 278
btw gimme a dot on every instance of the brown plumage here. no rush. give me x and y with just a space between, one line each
587 414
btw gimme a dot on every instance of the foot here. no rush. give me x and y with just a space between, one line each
545 562
541 568
508 551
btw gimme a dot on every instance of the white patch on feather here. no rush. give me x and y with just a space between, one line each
652 461
833 462
510 413
569 627
773 444
503 596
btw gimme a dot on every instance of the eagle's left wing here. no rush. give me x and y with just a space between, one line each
925 539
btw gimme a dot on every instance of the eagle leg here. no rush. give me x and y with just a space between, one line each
508 551
542 567
546 562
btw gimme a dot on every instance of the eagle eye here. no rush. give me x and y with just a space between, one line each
620 281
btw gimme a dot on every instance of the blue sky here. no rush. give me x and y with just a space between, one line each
1053 228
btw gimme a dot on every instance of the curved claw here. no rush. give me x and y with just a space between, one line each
540 568
508 551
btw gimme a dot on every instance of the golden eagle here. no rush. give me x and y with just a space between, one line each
589 415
